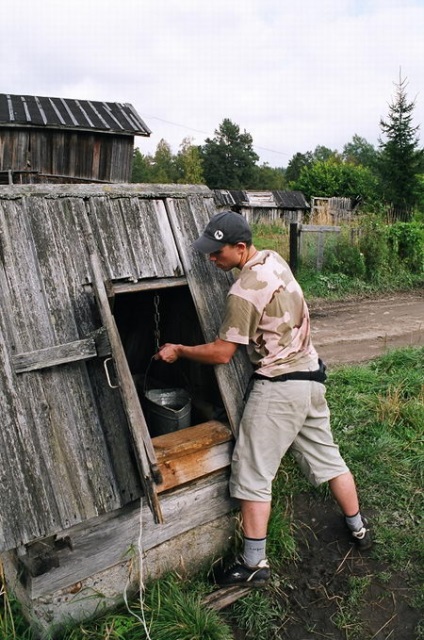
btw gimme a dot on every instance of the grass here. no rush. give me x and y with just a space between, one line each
378 419
329 285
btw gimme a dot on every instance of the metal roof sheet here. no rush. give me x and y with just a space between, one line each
37 111
279 199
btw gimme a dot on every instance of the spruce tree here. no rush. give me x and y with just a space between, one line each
400 160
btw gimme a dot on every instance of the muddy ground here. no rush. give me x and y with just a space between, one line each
315 587
357 331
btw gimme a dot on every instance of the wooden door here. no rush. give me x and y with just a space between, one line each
145 454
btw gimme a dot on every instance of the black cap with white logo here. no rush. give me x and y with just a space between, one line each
226 227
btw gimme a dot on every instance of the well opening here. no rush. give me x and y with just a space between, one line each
146 318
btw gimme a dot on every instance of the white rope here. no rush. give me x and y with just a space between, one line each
142 618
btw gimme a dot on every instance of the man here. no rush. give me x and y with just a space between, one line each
286 407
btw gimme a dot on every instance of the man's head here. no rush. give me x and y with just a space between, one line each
226 227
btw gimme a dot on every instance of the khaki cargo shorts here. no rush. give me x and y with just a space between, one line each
281 415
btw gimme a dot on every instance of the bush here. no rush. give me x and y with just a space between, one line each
344 256
406 240
374 247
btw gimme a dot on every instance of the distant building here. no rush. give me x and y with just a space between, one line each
45 140
290 206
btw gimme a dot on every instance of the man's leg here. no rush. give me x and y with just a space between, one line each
344 492
255 517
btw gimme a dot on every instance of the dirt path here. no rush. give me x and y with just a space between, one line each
357 331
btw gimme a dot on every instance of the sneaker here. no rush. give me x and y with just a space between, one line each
362 538
242 575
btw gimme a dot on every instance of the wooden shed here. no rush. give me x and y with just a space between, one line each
290 206
92 277
61 140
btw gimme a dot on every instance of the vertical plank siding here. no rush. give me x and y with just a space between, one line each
86 155
65 447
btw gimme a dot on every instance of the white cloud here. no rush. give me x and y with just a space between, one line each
294 75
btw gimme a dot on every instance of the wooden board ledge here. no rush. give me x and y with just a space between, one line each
192 453
184 441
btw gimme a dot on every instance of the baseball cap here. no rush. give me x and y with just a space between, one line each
226 227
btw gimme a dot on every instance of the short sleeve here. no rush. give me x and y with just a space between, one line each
240 320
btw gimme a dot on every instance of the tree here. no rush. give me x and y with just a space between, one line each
163 164
296 164
360 151
400 160
141 167
189 163
268 178
336 178
228 158
322 154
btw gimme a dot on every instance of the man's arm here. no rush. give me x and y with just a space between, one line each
217 352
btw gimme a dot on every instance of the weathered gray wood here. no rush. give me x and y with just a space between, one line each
188 219
222 598
143 191
149 285
65 451
53 356
65 445
146 458
108 539
318 228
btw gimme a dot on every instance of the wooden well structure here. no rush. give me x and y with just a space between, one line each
91 277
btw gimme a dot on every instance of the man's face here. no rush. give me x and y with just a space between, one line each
229 256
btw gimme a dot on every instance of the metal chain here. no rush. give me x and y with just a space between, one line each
156 332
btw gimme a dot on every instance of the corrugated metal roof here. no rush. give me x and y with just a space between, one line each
290 200
65 113
280 199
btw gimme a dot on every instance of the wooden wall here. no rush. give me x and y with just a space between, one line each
65 449
64 153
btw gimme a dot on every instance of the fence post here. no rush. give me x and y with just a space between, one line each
293 246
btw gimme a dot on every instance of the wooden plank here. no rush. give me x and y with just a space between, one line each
176 472
134 238
311 228
145 456
53 356
221 598
186 441
105 541
192 453
148 285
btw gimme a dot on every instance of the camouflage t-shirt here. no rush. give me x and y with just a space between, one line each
267 312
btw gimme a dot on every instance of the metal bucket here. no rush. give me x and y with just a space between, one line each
167 410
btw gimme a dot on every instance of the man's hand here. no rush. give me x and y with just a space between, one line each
168 353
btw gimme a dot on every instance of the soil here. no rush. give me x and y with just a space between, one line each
360 330
313 590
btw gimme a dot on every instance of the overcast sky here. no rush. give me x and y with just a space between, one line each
293 74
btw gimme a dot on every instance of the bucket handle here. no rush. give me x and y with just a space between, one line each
145 389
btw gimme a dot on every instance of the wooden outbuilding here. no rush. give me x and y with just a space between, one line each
290 206
63 140
92 278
